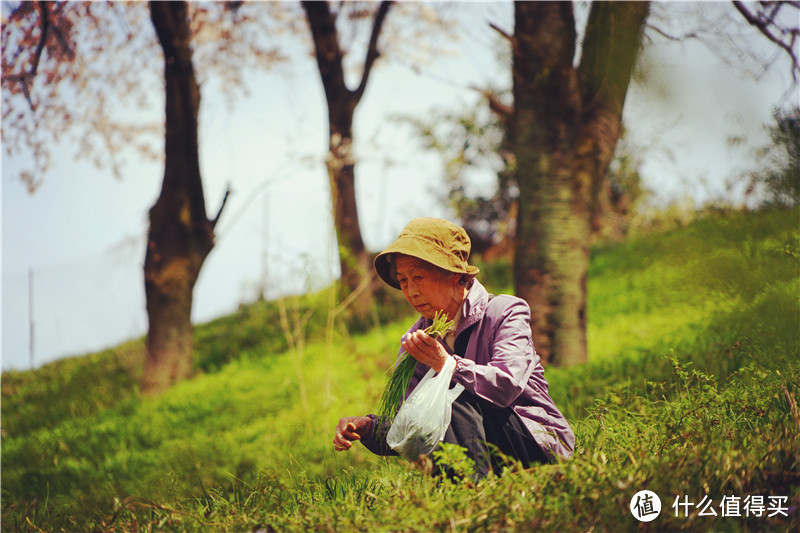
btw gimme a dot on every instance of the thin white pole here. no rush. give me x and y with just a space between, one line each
30 313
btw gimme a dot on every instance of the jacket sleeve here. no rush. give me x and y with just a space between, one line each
499 366
375 440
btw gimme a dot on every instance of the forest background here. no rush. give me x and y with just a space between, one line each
72 265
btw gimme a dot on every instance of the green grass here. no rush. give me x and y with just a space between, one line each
691 389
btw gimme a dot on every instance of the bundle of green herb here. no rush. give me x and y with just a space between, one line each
399 376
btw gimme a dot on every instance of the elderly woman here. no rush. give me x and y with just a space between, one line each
505 403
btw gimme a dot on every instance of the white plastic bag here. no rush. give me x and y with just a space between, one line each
424 417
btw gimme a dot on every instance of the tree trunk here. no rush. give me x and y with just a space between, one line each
566 126
354 260
180 235
611 45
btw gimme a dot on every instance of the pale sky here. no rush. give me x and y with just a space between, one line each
82 233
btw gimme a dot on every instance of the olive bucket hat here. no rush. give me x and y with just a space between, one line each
434 240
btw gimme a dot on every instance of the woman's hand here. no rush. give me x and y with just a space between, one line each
350 428
426 349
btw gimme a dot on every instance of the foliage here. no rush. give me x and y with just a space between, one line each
779 179
692 389
471 142
626 192
71 69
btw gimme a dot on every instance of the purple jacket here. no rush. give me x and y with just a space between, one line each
500 365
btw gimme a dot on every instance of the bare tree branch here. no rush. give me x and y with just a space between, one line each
505 35
372 50
504 111
59 35
691 35
44 19
26 79
328 52
502 32
221 207
765 23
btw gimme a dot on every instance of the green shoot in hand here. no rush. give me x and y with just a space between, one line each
399 376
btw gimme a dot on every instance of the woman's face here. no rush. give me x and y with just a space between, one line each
427 288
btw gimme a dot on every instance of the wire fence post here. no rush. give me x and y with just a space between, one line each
30 314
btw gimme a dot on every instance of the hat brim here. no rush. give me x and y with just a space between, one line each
383 265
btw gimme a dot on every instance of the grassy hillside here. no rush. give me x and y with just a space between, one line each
691 392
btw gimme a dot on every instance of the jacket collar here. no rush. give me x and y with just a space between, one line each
474 306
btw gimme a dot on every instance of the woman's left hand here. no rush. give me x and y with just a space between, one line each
426 349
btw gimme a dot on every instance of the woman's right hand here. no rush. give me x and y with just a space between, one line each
350 428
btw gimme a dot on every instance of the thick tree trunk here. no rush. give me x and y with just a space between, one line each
552 224
354 260
566 126
180 235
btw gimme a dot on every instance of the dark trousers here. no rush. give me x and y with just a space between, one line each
483 429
